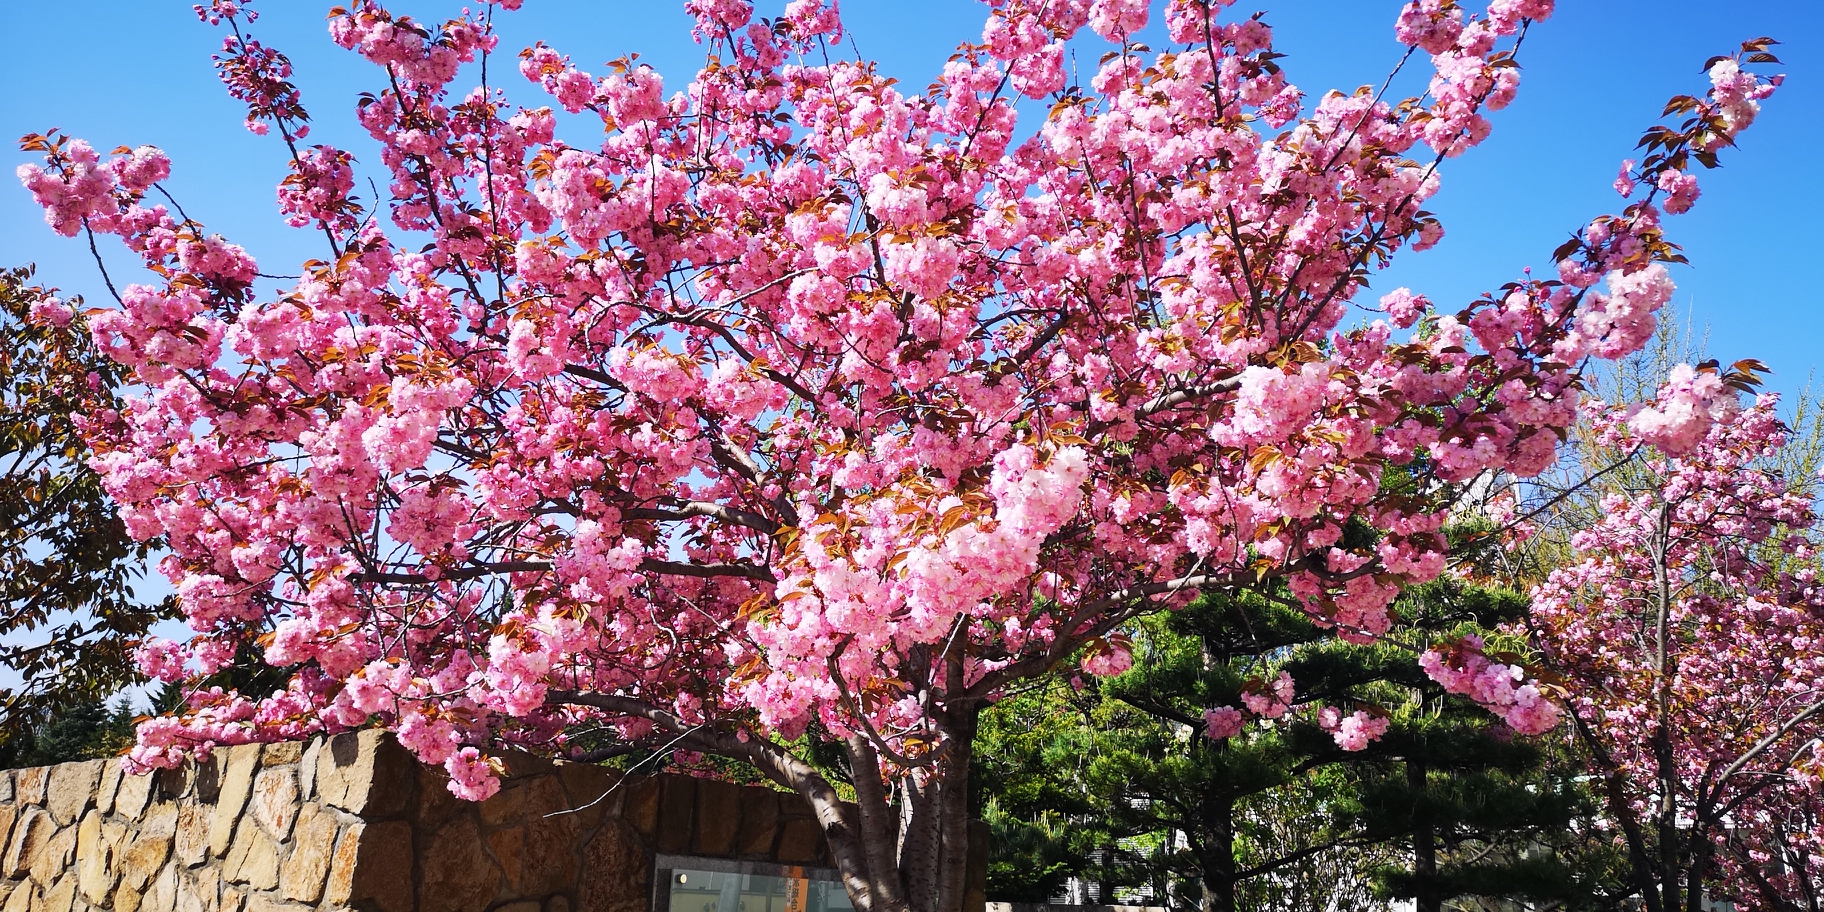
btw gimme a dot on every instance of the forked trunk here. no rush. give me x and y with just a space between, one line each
905 849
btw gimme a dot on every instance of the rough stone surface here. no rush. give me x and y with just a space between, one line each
110 785
718 817
538 856
301 877
253 860
642 805
275 801
131 798
283 754
800 841
51 861
192 835
61 897
140 863
94 860
680 798
759 822
615 871
364 774
23 898
127 899
31 785
237 765
307 769
373 865
8 814
469 880
71 789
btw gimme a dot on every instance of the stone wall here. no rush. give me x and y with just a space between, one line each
355 822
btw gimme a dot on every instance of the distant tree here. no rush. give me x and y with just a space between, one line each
1686 628
68 615
78 731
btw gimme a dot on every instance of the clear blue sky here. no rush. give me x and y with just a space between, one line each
1595 76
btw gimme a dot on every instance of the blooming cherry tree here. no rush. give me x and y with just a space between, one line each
801 404
1686 630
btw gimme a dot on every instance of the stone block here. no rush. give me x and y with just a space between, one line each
192 835
95 867
594 792
616 871
30 785
524 905
141 861
641 806
6 786
435 805
676 807
127 899
30 834
266 902
800 841
163 894
237 766
54 859
507 806
718 817
232 899
538 857
9 814
205 777
161 820
252 860
302 875
134 794
558 903
364 773
372 865
282 753
198 891
456 874
109 786
71 790
60 896
307 769
759 821
174 783
275 801
24 898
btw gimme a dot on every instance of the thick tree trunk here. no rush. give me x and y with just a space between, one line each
913 858
1424 842
1218 858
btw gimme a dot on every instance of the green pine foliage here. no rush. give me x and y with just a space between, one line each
82 731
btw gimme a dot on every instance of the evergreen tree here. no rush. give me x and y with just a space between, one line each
1447 803
81 731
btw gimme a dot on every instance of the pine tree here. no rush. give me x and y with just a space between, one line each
1448 803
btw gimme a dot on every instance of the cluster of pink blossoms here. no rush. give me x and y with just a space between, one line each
1353 732
1274 700
1462 668
792 401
